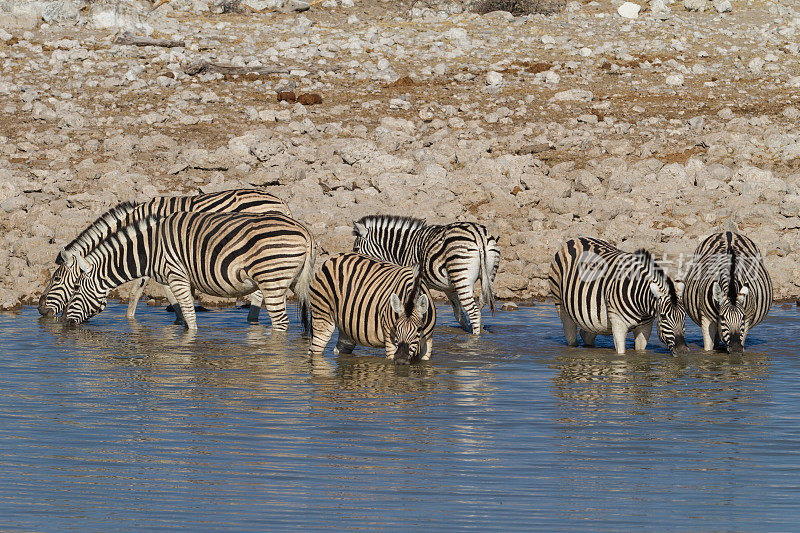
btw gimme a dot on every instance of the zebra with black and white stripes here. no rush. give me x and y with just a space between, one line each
61 284
372 303
728 289
452 257
600 290
221 254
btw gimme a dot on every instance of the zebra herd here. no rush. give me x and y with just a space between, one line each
245 242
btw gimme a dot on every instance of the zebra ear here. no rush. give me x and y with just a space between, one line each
719 296
397 305
66 257
421 305
83 264
743 292
359 229
656 290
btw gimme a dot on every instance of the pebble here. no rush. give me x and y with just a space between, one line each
629 10
494 78
675 80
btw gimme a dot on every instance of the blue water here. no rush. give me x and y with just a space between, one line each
137 425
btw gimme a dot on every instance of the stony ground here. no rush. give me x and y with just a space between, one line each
653 132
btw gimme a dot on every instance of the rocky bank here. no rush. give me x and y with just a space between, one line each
651 127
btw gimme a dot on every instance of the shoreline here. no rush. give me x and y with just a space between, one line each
540 128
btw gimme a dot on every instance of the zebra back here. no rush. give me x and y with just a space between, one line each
390 238
733 261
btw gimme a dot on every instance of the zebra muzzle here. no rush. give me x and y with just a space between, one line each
402 354
680 347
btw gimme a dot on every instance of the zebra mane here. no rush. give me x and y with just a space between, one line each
409 303
98 230
393 222
656 272
123 236
732 292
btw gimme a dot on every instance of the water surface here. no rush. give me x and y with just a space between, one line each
138 425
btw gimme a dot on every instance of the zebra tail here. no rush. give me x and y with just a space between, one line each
302 285
487 295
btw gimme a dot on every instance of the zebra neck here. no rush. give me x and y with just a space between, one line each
120 260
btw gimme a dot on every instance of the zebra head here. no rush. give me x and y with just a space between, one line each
732 324
61 285
671 315
404 333
90 296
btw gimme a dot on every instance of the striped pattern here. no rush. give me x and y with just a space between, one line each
372 303
602 290
452 258
221 254
728 290
60 286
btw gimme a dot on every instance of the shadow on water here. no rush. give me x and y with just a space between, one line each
140 424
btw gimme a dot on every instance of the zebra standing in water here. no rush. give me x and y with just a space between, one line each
452 257
728 290
602 290
222 254
61 284
372 303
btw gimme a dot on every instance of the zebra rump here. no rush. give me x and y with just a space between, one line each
60 286
222 254
372 303
728 289
452 257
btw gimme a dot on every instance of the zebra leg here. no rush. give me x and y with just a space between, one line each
182 292
570 327
256 299
458 311
428 347
344 345
619 330
275 303
588 337
136 293
463 284
322 332
641 335
176 308
709 329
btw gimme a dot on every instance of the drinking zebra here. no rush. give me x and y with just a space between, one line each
372 303
728 290
222 254
452 257
60 286
602 290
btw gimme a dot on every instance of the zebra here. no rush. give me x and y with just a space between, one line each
452 257
728 290
222 254
61 284
603 290
372 303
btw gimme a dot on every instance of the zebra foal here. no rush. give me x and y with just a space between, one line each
452 258
600 290
221 254
372 303
728 290
61 284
